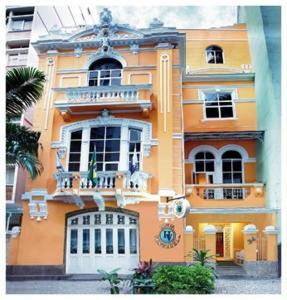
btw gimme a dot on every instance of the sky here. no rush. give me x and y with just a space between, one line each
141 16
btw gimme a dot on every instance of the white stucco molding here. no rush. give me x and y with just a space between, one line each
106 120
207 148
219 152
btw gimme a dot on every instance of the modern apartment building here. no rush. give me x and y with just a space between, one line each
149 150
19 22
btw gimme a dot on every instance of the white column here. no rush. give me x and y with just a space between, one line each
124 149
85 149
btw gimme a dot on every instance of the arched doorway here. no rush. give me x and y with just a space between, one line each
101 240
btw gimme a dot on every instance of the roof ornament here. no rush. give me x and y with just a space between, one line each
106 18
155 23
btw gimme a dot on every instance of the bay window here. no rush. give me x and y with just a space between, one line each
114 146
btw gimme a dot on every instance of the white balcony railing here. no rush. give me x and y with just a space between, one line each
102 94
105 180
225 191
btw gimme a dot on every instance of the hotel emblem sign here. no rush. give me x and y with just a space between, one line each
167 237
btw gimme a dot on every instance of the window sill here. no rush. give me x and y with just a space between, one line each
219 119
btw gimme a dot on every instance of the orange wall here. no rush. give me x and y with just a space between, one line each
42 243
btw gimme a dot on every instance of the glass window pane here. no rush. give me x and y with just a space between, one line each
74 167
115 73
135 135
121 241
133 241
226 112
212 112
109 241
237 177
74 157
209 166
209 97
237 165
76 135
112 156
113 146
99 167
199 155
231 154
86 240
98 133
115 81
209 155
75 146
17 25
227 178
226 166
199 166
111 167
219 57
74 241
98 245
113 132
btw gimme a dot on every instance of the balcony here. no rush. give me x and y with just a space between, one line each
226 195
96 98
121 185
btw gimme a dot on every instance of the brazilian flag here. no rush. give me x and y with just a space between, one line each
92 175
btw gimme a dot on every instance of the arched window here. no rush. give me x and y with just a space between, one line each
214 55
204 167
105 72
232 167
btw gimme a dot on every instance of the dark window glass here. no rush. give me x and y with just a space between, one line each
98 244
214 55
199 166
212 112
74 167
111 167
86 240
74 241
231 154
76 135
133 241
121 241
109 241
226 112
113 133
98 133
109 219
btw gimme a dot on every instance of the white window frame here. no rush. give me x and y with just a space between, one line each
234 96
206 57
218 174
123 163
99 78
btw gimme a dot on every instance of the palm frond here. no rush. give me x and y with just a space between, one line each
24 87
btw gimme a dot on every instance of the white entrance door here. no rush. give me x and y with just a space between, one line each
102 240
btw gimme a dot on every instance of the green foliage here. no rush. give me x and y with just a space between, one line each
113 279
194 279
24 87
202 257
142 277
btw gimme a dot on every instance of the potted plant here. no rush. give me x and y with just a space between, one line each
142 278
113 279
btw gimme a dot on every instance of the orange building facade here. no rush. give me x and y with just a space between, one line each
171 117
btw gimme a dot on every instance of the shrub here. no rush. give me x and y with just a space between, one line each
194 279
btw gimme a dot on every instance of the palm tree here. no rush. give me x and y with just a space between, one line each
24 86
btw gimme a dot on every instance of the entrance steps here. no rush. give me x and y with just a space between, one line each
69 277
229 270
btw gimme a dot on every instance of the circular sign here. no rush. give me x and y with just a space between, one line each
181 208
167 235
